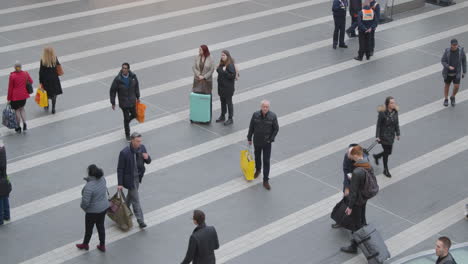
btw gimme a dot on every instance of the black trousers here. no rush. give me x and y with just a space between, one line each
372 41
354 24
227 106
358 216
266 151
364 44
340 25
129 113
387 151
97 219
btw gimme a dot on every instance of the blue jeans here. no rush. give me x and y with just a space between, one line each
4 209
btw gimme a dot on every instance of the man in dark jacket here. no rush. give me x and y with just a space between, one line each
264 128
354 7
126 86
357 203
442 248
203 242
366 23
376 7
5 187
130 172
454 62
339 16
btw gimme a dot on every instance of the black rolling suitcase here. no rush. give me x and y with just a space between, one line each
372 244
368 149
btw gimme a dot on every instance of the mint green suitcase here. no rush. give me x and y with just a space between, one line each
200 108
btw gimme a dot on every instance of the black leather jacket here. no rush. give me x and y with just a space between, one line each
263 128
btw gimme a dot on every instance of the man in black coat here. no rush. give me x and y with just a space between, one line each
442 248
264 128
355 7
126 86
5 187
339 17
203 242
130 172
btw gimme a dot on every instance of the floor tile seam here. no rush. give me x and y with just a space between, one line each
20 8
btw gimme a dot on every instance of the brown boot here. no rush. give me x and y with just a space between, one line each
257 172
266 185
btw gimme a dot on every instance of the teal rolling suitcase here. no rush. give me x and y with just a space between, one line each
200 108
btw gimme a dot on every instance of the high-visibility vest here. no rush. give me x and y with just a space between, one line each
367 14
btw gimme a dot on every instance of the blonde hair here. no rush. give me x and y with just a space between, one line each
48 57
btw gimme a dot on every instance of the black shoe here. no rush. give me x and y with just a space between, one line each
334 46
46 108
358 58
220 119
367 57
349 33
352 249
452 101
371 53
53 111
25 127
344 46
228 122
376 159
257 172
446 102
127 137
18 130
266 185
142 225
335 225
387 173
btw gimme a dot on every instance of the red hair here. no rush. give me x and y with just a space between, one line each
206 51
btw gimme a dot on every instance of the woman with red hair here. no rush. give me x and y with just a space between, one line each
203 69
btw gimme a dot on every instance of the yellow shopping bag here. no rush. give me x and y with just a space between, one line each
247 164
41 98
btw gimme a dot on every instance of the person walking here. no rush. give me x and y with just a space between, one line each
339 17
203 242
357 203
376 8
387 128
354 7
226 79
264 128
5 187
442 249
95 204
366 22
127 88
18 94
130 172
49 72
454 62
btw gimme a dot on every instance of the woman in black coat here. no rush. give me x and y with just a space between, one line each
387 128
226 78
49 73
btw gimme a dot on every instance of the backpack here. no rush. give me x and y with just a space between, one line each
371 188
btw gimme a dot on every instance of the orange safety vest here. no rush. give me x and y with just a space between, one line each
367 14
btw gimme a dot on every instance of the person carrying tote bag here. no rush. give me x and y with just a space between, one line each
49 72
203 69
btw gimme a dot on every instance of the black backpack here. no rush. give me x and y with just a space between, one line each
371 188
5 186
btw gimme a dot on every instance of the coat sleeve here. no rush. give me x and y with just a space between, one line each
216 239
190 251
195 69
275 130
3 162
113 91
86 197
137 88
121 169
231 72
379 125
444 60
251 128
41 73
10 88
361 25
377 14
463 61
147 161
397 126
209 66
353 190
336 6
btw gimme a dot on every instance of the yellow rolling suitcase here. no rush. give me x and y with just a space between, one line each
247 164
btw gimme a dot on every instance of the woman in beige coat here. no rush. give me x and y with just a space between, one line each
203 69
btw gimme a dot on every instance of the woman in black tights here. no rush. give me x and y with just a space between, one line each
387 128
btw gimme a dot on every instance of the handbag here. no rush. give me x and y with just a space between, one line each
119 212
338 214
247 164
9 118
29 87
140 112
202 86
41 98
59 70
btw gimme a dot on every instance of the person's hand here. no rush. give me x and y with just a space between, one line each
378 139
201 77
224 68
346 191
120 187
8 102
250 142
451 68
348 211
398 137
145 156
113 107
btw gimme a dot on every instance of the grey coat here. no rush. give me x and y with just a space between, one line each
94 196
461 63
207 73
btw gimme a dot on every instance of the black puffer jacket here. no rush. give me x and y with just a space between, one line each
5 185
203 242
387 126
263 128
226 80
127 95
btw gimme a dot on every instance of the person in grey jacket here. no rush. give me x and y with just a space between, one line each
264 128
387 127
442 248
454 62
126 86
203 242
95 203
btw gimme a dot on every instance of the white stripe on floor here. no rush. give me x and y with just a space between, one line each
167 35
189 53
69 195
93 12
324 207
420 232
34 6
99 141
68 251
